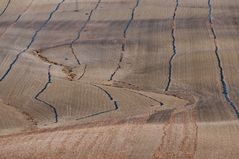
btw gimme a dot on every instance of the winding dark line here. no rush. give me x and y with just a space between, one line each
128 24
32 40
84 71
17 19
124 41
222 77
173 46
82 29
95 114
116 106
43 89
24 11
4 10
153 99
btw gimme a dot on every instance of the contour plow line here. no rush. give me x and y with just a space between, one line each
73 41
173 47
4 10
110 97
42 91
220 67
124 40
17 19
32 40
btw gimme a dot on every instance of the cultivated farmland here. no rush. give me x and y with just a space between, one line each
119 79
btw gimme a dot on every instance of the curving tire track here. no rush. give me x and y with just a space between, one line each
173 46
42 90
124 40
110 97
225 88
32 40
7 5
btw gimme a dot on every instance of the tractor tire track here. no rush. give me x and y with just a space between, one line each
186 146
17 19
32 40
115 104
82 29
173 46
220 67
42 90
124 40
7 5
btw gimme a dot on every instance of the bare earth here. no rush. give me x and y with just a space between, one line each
119 79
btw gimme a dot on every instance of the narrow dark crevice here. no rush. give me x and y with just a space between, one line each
81 30
4 10
30 4
173 47
42 91
124 40
84 71
146 96
115 103
17 19
66 69
32 40
220 67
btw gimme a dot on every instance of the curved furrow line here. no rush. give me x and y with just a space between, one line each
32 40
220 67
124 40
26 9
17 19
82 29
116 106
173 46
42 90
146 96
4 10
84 71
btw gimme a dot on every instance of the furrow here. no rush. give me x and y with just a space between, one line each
17 19
146 96
124 40
220 67
84 71
32 40
42 91
82 29
173 47
115 104
4 10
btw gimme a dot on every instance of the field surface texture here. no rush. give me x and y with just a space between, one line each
119 79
